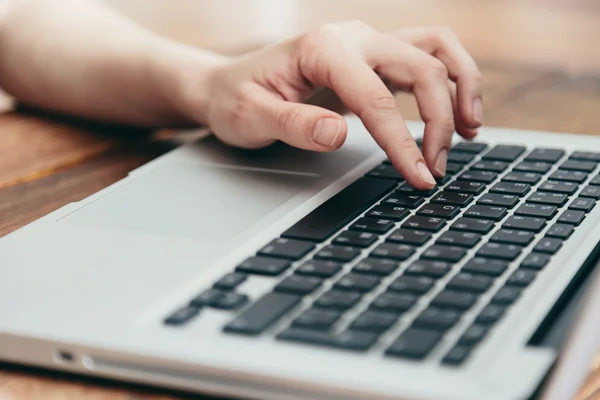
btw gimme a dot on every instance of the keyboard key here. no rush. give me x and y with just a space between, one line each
474 334
299 284
348 340
319 268
374 321
489 165
433 224
385 211
558 187
473 225
569 176
478 176
414 343
516 188
548 198
591 191
536 210
454 300
545 155
486 212
577 165
582 204
338 253
412 284
263 266
522 177
376 266
511 236
315 318
533 166
498 200
457 238
453 168
490 314
595 180
394 302
392 250
585 156
438 319
433 269
561 231
521 277
460 158
451 198
337 300
457 355
548 245
372 225
524 223
287 248
182 316
231 301
438 210
470 147
498 250
573 217
357 283
444 253
263 313
355 238
485 266
404 200
535 261
230 281
470 283
208 298
506 295
465 187
386 171
408 189
409 236
504 153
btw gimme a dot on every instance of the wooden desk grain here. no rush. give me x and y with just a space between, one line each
541 68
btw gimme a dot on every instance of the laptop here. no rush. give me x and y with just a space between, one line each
286 274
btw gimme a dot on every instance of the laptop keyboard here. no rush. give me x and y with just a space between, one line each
381 266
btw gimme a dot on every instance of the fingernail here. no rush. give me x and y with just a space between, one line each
326 131
425 174
440 162
478 110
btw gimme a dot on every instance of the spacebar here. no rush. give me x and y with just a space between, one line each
340 209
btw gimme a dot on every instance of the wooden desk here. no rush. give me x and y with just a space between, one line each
541 67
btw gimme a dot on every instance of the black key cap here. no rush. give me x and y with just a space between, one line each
524 223
485 266
511 236
466 282
545 155
473 225
498 200
490 314
374 321
454 300
504 153
337 300
516 188
376 266
392 250
444 253
595 180
318 268
522 277
457 355
478 176
535 261
412 284
263 313
548 245
385 211
357 283
338 253
470 147
460 158
441 181
263 266
453 168
435 318
522 177
287 248
372 225
208 298
433 224
230 281
386 171
536 210
573 217
498 250
582 204
231 301
394 302
533 166
585 156
408 189
457 238
474 334
457 199
465 187
299 284
438 210
414 343
409 236
486 212
548 198
558 187
343 207
433 269
591 191
348 340
577 165
569 176
404 200
355 238
182 316
316 318
561 231
506 295
489 165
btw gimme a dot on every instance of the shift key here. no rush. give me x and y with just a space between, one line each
263 313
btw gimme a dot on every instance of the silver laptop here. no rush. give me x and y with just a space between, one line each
285 274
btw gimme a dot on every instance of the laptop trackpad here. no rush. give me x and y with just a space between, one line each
205 202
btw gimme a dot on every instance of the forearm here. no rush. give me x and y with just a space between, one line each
80 58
